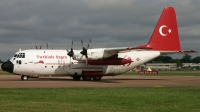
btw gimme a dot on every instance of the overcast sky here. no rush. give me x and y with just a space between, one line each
109 23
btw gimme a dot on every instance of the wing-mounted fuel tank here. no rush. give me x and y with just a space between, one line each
113 60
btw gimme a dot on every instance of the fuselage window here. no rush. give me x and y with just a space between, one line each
17 62
15 55
52 66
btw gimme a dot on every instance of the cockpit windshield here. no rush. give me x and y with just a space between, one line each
15 55
20 55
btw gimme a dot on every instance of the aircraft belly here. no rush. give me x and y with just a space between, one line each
78 68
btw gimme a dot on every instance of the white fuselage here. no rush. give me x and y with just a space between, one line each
57 62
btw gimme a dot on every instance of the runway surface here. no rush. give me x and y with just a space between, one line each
13 81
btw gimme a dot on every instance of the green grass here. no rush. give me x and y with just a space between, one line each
167 99
4 73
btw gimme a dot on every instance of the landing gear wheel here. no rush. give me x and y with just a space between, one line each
24 77
96 78
76 78
86 78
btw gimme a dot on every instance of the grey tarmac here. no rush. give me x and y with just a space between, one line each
14 81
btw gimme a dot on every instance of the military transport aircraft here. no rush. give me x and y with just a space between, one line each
95 63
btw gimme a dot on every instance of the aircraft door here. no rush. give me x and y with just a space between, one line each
20 67
30 68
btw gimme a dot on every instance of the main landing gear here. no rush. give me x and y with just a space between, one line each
96 78
76 77
86 78
24 77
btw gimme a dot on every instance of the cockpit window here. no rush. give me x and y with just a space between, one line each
20 55
20 62
23 56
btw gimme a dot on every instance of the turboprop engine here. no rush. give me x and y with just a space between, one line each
93 54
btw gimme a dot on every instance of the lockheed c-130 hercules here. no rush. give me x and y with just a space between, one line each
95 63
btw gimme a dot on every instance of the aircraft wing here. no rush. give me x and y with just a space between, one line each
126 49
178 52
143 48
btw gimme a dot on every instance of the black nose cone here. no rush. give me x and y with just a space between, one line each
7 66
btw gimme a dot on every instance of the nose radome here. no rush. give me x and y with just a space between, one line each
7 66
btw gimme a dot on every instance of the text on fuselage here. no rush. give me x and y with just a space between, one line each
50 57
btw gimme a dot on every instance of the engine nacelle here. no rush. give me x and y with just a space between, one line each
93 54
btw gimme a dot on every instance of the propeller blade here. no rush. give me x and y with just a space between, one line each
72 45
88 46
86 61
90 41
47 45
70 60
81 57
84 51
35 47
71 52
40 46
82 43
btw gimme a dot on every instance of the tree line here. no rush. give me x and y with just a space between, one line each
167 59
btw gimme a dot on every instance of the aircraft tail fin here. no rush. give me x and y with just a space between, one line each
165 36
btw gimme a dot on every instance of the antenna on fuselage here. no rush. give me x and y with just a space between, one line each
47 45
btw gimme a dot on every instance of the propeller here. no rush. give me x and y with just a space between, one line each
71 52
40 46
36 47
84 51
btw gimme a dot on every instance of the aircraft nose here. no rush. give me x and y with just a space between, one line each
7 66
